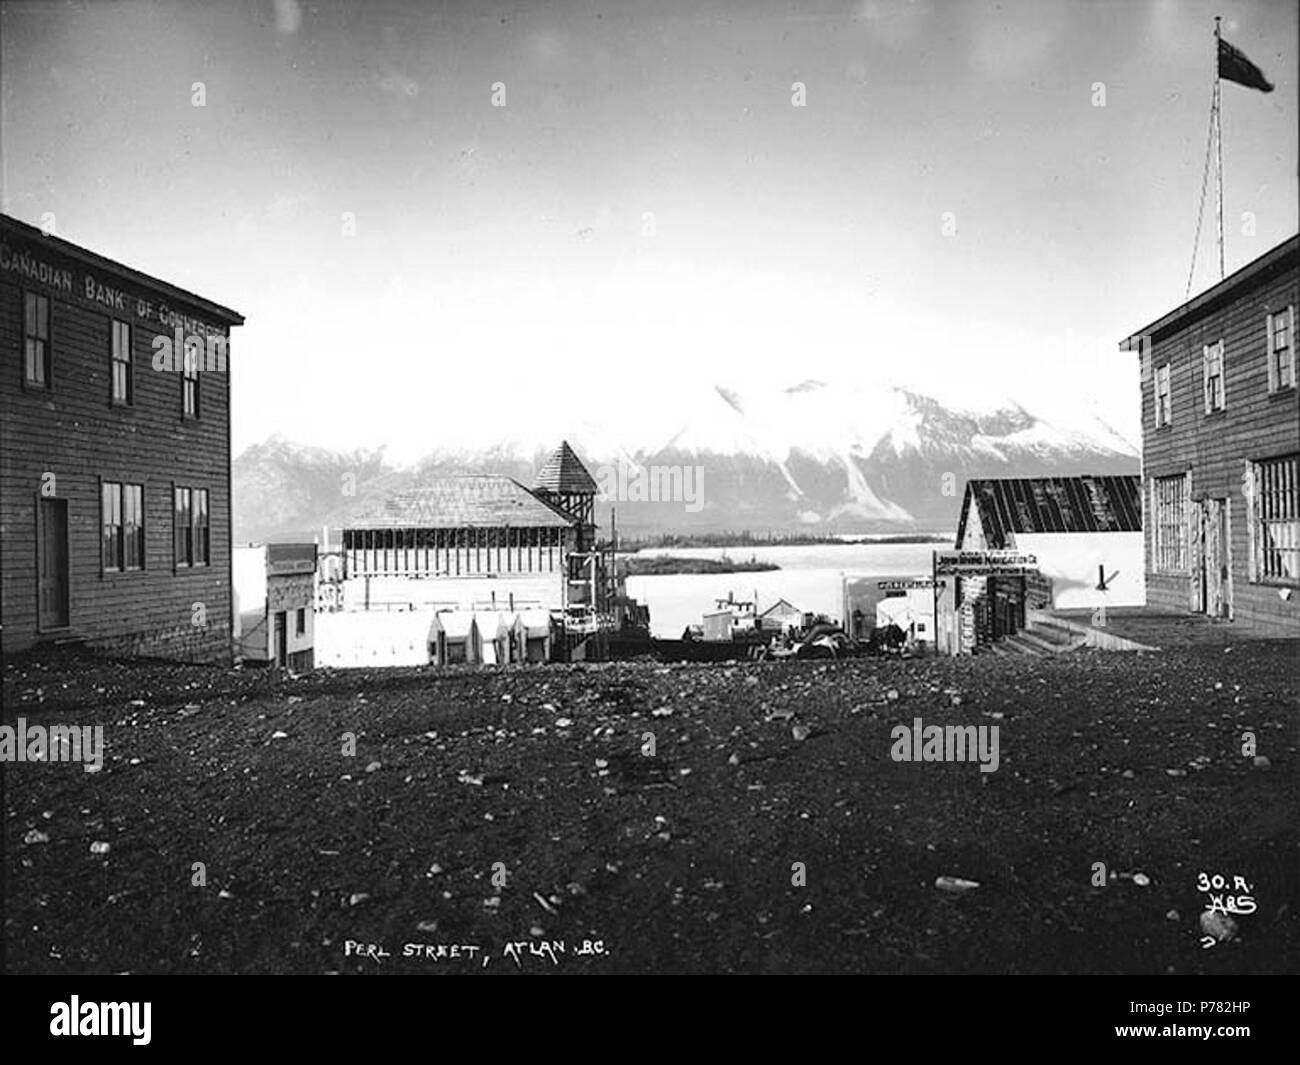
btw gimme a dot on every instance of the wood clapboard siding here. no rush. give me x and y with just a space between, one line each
1215 448
75 433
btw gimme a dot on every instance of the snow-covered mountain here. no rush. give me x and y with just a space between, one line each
809 456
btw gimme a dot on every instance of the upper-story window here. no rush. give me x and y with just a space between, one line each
1281 349
1163 409
190 378
123 378
1212 376
36 339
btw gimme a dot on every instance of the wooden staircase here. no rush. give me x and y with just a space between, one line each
1043 635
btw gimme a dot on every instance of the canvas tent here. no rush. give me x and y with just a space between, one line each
454 638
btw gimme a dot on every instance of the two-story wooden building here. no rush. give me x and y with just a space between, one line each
1221 448
114 455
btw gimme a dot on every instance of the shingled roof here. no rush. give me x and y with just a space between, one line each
565 473
485 501
1052 505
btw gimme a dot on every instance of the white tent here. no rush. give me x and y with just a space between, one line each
536 626
494 636
454 638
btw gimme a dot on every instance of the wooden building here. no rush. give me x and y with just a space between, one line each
275 604
114 456
1085 532
477 542
1036 543
1221 448
482 542
781 617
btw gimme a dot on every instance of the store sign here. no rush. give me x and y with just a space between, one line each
984 563
904 586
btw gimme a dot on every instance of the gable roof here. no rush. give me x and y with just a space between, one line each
492 624
536 622
1253 273
455 624
95 261
565 473
782 605
1052 505
483 501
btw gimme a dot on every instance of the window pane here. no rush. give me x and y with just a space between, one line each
200 541
181 521
36 316
110 503
35 362
133 523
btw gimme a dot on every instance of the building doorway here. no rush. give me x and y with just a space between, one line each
52 564
281 638
1214 577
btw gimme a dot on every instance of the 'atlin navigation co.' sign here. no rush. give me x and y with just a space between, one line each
984 563
93 289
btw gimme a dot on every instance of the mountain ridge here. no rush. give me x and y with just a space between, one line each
806 456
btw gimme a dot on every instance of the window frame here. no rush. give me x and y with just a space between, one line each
1165 370
1283 494
191 404
46 363
1275 386
117 328
126 533
191 538
1163 544
1212 356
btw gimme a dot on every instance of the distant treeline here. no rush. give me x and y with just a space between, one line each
752 539
668 564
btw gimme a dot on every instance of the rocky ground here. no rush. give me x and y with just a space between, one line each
662 813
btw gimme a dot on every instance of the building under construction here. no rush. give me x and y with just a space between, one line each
489 544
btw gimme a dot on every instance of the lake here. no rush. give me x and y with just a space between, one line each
810 578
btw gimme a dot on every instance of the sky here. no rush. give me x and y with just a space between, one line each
449 224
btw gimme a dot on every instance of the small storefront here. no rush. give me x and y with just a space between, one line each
980 597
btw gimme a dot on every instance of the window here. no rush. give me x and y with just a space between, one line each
1275 520
123 382
302 622
1212 376
193 541
1163 409
1281 349
36 339
190 379
1169 503
122 520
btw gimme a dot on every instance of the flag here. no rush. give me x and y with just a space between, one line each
1234 66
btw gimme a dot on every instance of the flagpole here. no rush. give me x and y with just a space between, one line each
1218 136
